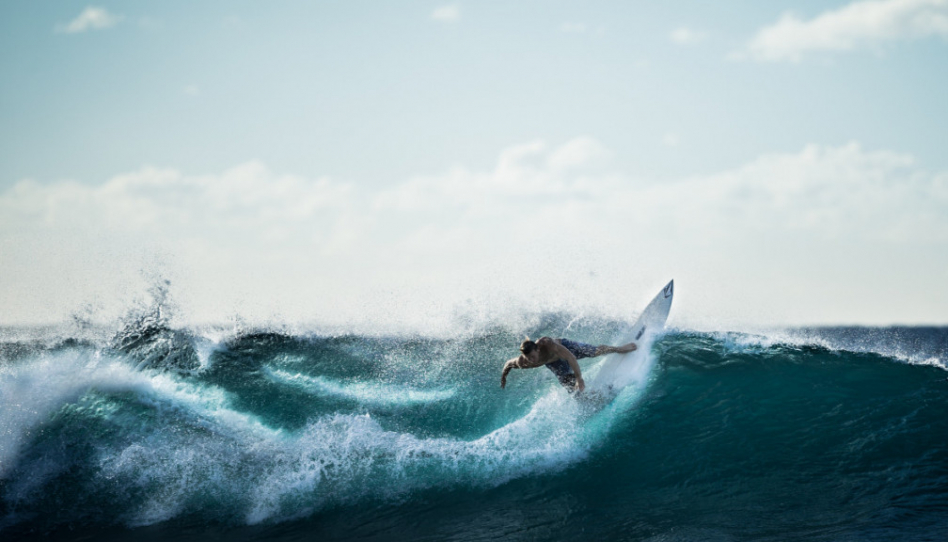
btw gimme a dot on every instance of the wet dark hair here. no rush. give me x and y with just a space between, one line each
527 346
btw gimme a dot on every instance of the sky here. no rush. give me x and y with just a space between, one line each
421 162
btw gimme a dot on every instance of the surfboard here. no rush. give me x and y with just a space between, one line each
619 370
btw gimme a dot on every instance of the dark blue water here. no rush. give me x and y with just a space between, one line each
152 432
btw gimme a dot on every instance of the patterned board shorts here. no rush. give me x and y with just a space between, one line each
561 367
578 349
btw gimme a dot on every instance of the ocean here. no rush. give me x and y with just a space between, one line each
149 432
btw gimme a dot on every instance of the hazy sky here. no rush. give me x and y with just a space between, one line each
388 161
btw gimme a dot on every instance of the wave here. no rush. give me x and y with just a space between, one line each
273 427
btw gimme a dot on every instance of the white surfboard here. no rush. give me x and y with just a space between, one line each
620 370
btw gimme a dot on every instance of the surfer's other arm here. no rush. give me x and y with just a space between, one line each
511 364
564 353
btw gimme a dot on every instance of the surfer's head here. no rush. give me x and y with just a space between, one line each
529 350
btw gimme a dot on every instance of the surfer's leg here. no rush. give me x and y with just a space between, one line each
606 349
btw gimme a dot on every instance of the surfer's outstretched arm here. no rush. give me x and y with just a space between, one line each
511 364
564 353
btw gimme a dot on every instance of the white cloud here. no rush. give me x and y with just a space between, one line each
91 18
686 36
447 14
539 221
856 25
580 152
670 139
192 90
831 192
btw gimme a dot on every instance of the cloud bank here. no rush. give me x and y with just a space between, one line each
854 26
815 235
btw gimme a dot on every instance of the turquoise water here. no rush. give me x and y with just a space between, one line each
153 432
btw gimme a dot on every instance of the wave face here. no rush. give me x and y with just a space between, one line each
818 434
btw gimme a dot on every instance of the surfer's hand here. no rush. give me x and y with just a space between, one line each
503 381
580 384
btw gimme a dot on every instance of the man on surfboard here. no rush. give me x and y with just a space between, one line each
559 356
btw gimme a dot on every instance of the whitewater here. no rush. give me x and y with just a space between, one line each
151 430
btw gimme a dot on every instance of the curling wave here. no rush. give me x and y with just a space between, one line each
826 433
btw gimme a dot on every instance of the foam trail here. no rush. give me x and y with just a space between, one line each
336 459
352 456
372 393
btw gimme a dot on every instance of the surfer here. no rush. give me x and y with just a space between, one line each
559 356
